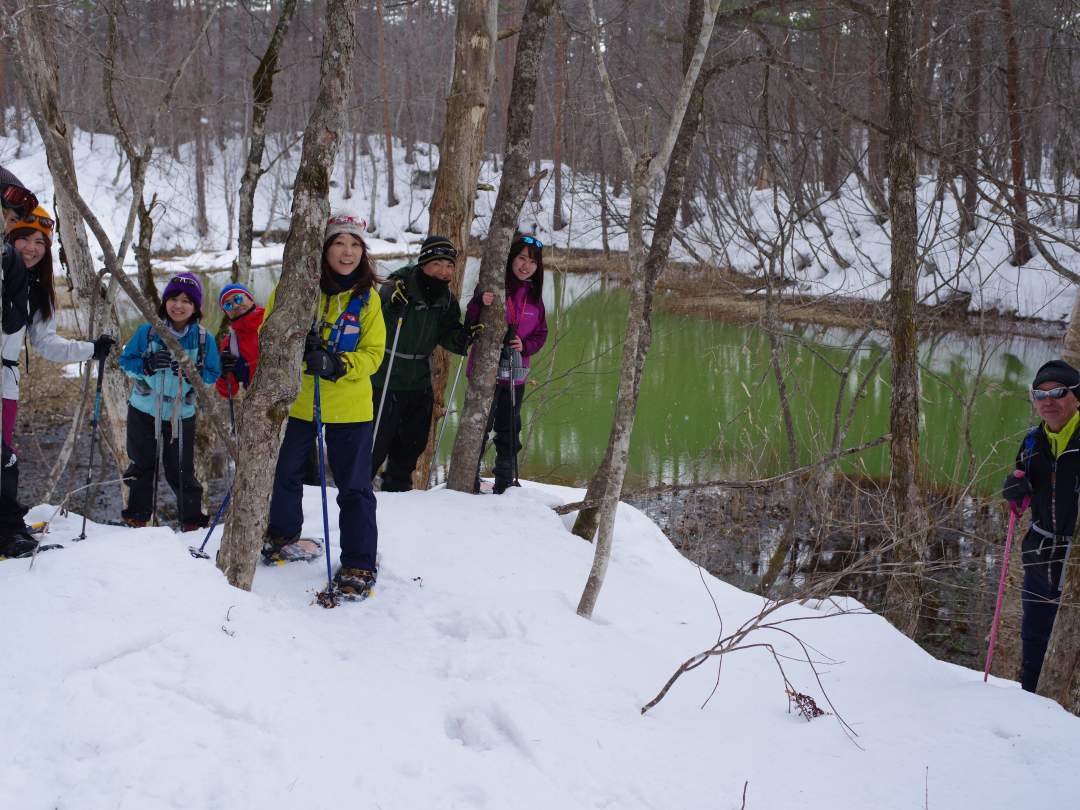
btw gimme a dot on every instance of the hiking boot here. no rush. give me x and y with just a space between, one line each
273 543
19 543
191 525
354 583
135 523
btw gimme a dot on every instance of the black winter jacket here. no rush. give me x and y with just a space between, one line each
1055 485
15 304
426 324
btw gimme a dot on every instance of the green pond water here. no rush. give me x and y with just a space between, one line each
709 405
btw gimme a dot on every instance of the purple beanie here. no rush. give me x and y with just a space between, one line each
187 283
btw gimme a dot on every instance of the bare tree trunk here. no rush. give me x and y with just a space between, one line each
973 108
202 223
513 189
1022 247
876 146
1070 344
262 95
460 153
384 85
277 379
605 216
557 221
1060 676
36 61
904 594
672 157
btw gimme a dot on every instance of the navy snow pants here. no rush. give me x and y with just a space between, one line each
348 453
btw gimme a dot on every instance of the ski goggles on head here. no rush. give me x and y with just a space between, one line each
531 240
18 199
1037 395
233 301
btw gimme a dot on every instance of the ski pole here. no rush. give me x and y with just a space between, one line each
1014 513
93 440
386 384
159 451
317 413
200 552
445 417
513 415
178 414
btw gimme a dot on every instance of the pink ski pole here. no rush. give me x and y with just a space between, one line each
1014 513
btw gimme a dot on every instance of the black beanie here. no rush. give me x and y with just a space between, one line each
1057 371
437 247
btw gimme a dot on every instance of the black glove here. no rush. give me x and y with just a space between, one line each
103 345
398 296
228 363
313 342
321 363
159 361
1016 489
475 331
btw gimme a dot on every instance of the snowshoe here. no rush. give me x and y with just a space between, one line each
278 551
20 545
354 584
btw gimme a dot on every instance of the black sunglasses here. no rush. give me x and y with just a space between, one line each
44 222
1054 393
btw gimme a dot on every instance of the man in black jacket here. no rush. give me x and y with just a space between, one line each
1049 459
417 297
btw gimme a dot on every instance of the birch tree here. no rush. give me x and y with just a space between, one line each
643 170
277 379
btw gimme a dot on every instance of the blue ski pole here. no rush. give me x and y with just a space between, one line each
329 599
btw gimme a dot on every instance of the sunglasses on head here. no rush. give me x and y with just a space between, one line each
233 301
1054 393
18 199
532 240
44 222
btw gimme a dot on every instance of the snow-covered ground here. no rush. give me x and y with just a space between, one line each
857 265
135 677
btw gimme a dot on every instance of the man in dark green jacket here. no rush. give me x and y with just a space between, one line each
419 295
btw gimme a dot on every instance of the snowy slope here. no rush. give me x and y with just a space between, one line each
135 677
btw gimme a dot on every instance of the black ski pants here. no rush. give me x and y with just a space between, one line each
403 435
11 511
348 454
1039 599
179 472
505 419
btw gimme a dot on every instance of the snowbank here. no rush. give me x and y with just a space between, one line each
136 677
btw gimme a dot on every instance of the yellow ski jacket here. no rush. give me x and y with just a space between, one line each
347 399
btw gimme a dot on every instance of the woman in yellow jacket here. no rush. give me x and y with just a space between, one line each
348 349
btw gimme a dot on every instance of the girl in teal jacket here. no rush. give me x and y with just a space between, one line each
162 405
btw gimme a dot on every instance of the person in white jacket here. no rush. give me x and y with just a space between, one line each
31 237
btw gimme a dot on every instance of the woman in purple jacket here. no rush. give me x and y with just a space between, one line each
525 335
